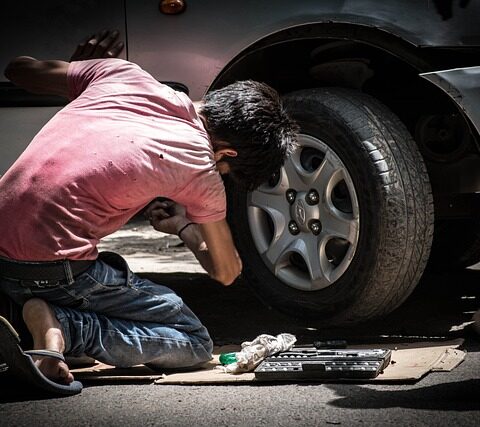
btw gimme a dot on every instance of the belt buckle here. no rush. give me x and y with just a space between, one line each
45 284
41 284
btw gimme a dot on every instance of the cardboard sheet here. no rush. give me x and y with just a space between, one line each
410 362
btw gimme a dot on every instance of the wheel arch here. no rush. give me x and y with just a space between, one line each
375 37
391 67
334 54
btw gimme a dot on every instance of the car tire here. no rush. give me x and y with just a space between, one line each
374 210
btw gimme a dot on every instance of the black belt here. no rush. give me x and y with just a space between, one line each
43 271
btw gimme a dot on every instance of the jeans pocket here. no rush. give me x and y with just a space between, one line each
105 284
110 271
60 295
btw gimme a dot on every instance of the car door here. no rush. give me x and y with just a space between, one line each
49 29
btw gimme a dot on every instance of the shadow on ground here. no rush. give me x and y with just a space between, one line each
441 307
458 396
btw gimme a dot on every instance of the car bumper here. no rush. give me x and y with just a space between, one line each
463 87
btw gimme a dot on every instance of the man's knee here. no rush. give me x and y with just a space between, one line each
195 356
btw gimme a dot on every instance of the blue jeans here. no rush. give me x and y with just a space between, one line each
118 318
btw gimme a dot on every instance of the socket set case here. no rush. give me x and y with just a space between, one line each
309 363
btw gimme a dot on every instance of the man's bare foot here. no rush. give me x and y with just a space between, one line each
47 335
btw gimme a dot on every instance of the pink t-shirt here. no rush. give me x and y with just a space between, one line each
123 140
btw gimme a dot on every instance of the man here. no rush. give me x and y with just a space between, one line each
123 140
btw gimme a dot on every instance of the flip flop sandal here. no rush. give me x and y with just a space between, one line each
13 313
20 364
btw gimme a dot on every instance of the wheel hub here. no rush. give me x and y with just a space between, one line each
305 222
303 213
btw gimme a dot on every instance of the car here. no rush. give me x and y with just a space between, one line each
386 178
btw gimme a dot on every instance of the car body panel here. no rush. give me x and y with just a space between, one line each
52 29
194 47
45 30
463 86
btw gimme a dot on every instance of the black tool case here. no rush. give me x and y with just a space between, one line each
310 363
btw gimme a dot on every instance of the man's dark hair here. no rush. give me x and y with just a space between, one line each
249 116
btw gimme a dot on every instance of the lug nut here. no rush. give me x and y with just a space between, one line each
315 227
312 197
291 195
293 228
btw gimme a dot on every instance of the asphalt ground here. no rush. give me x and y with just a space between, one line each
441 308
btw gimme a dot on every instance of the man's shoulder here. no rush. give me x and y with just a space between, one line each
105 68
119 63
106 62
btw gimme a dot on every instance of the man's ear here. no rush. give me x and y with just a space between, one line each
220 153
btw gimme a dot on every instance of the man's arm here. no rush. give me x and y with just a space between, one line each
217 252
50 77
42 77
211 243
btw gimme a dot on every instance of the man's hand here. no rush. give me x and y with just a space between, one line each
211 243
104 44
166 216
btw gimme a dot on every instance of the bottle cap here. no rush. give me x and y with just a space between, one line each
228 358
